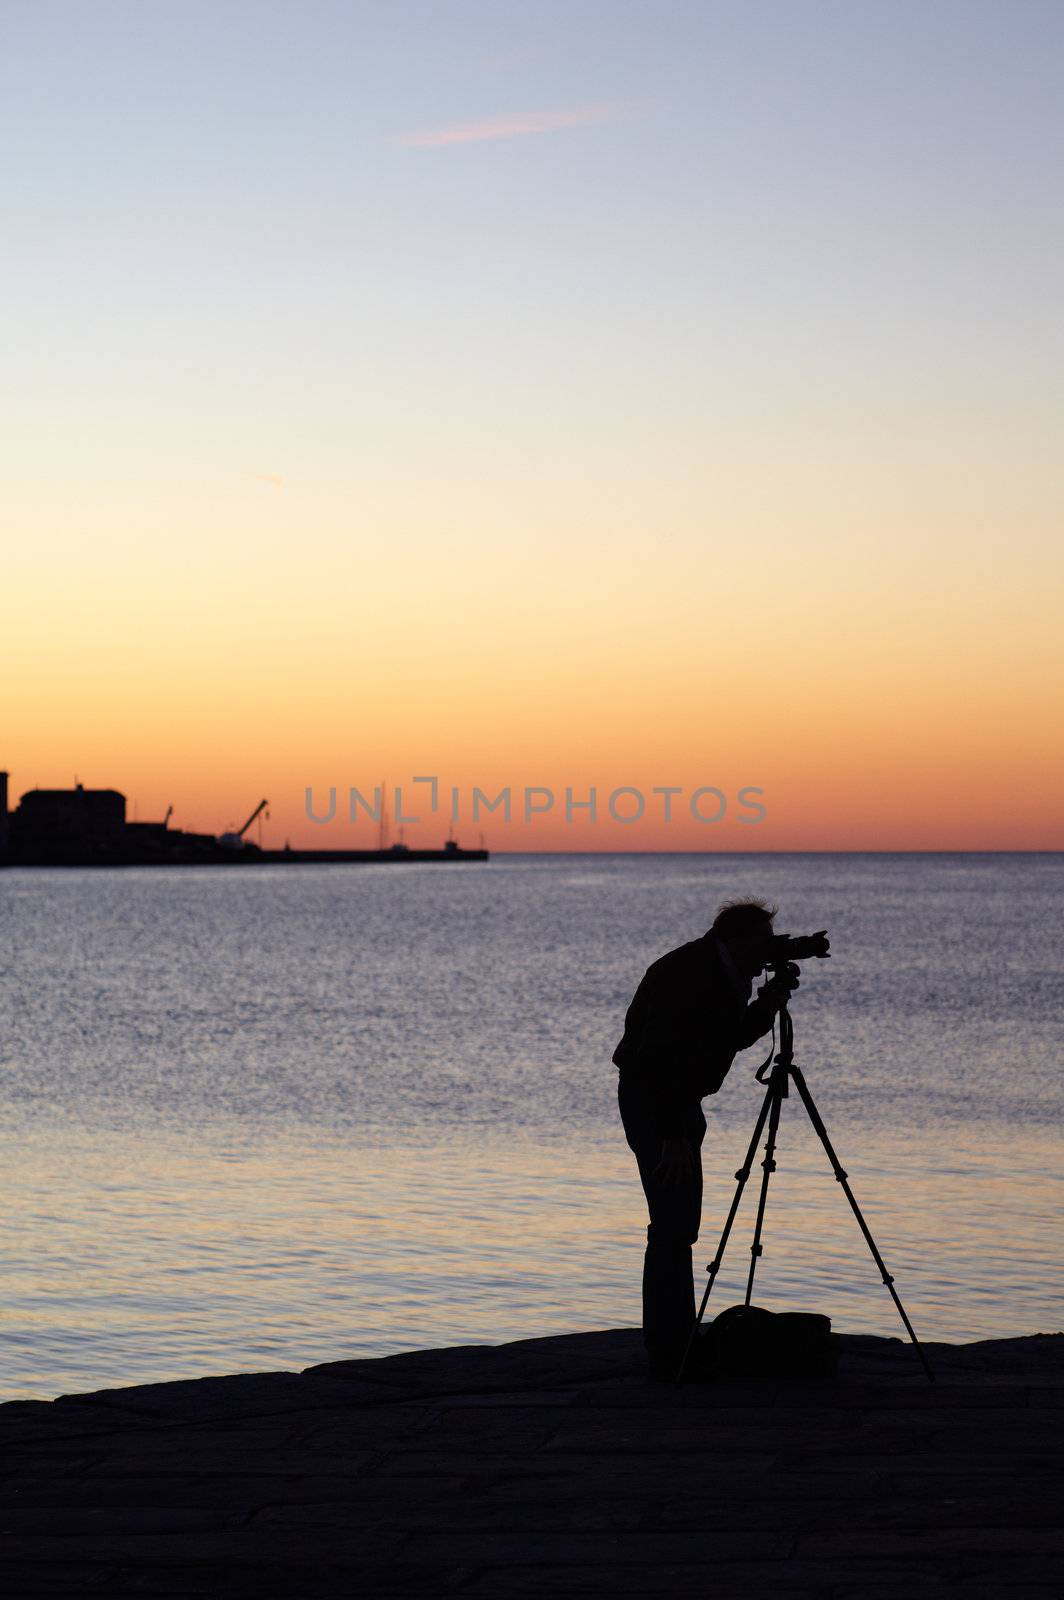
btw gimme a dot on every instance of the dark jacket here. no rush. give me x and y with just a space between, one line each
683 1028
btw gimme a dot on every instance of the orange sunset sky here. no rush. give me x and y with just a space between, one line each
537 395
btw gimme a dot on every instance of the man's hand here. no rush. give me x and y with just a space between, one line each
677 1166
777 991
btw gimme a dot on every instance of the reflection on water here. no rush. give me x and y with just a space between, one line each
387 1120
183 1261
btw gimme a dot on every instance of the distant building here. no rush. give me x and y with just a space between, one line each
66 824
96 813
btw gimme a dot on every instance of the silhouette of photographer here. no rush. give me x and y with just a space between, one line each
689 1017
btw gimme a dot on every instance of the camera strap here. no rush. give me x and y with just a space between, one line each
768 1059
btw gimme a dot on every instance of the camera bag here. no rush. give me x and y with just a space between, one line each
750 1342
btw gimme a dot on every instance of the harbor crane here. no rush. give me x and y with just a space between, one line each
235 841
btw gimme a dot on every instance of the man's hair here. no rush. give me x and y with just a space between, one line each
737 918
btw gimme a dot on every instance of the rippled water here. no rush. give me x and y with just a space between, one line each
263 1119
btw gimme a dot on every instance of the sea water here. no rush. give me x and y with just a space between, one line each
267 1117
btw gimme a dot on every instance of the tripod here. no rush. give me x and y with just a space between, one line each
784 1072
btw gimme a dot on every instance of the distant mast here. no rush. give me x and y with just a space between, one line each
382 836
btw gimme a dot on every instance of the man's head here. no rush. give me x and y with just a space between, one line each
745 926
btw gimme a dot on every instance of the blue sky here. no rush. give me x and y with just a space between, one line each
244 162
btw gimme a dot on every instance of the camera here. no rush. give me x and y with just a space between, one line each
785 947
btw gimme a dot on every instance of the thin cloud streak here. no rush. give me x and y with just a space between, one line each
516 125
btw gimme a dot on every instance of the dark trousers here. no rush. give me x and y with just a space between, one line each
675 1218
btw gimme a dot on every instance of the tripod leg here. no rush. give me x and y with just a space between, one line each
714 1266
777 1084
841 1177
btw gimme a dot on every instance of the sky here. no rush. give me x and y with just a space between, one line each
591 394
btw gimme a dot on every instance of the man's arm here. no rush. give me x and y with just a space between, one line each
757 1019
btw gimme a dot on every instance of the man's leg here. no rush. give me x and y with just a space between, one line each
675 1217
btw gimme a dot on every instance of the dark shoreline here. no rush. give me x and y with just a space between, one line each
240 860
412 855
550 1466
